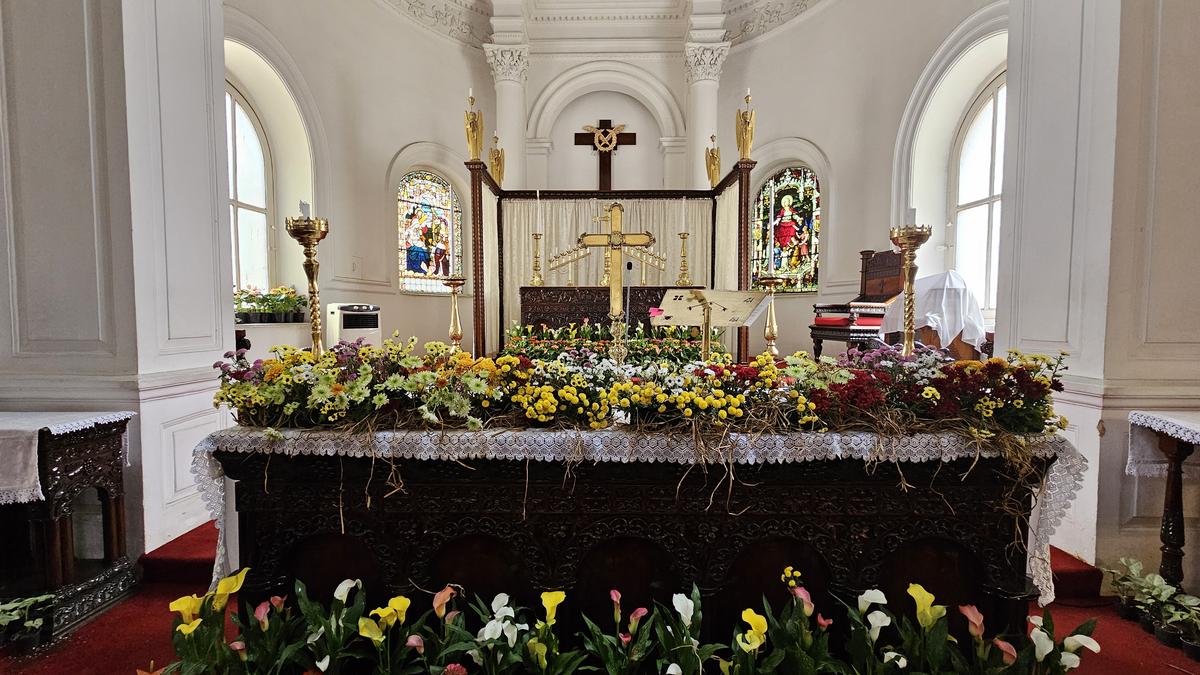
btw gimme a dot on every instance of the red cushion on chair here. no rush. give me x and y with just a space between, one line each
831 321
869 321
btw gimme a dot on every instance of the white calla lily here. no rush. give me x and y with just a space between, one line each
686 608
323 663
871 597
901 662
878 620
1036 620
674 668
343 590
499 602
1069 661
1074 642
1042 644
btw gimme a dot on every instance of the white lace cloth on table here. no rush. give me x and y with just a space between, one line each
19 481
1144 427
1058 491
944 303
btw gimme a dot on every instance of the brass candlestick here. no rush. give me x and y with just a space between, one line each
684 279
537 279
617 349
909 238
309 232
771 330
455 284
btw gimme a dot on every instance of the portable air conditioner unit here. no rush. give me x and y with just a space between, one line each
350 321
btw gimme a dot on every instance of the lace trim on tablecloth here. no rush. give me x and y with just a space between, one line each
1058 491
94 421
1145 460
22 495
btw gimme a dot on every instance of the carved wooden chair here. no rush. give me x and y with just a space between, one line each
857 323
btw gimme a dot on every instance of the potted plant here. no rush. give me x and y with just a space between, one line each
1153 593
1125 585
24 622
1190 640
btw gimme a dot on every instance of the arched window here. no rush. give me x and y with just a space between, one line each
787 230
429 222
976 175
250 193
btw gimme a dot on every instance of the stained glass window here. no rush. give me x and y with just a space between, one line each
429 221
787 230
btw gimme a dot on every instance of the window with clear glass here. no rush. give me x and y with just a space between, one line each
429 224
787 231
249 194
977 172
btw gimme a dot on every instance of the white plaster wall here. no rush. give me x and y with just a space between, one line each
840 79
638 166
378 84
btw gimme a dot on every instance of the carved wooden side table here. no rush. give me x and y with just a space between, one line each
49 460
1160 443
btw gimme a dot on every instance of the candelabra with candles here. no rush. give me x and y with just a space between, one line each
771 329
455 284
309 232
909 238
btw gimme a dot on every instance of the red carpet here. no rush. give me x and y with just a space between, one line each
1073 578
138 630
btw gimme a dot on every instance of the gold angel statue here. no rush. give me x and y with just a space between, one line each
712 162
745 130
496 161
473 123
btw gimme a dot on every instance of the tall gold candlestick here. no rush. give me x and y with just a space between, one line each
909 238
685 279
455 284
309 232
537 279
771 330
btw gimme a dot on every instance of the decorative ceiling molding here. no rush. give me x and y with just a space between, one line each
748 19
465 21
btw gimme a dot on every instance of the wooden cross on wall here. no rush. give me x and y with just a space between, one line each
605 139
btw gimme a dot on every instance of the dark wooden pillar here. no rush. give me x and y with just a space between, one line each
1172 532
743 169
478 287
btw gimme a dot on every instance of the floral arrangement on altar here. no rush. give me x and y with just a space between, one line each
497 638
674 344
359 386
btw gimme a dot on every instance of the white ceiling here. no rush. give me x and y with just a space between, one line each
554 26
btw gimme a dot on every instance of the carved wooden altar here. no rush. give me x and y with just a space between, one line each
648 529
558 306
39 540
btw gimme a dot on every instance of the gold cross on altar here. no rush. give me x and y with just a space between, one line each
614 240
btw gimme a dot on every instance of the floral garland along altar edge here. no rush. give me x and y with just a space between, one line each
382 401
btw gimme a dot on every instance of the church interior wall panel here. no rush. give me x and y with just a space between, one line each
389 84
574 167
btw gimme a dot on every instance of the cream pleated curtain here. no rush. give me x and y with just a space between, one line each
563 220
725 250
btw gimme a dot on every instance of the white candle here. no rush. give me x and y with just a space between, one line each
470 92
305 209
539 210
747 92
911 216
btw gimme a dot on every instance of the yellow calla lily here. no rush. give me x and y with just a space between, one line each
756 637
387 616
551 600
400 604
538 651
370 630
725 666
189 627
927 612
758 622
228 586
750 641
188 607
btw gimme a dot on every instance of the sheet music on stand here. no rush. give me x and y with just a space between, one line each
709 308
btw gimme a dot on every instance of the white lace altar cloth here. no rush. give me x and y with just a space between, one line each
1058 491
1144 427
19 482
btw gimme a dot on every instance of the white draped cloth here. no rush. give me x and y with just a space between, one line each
1144 427
19 481
944 303
561 221
1062 482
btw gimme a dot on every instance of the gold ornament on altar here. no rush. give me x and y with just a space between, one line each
685 278
473 124
745 129
771 329
496 161
712 162
615 241
909 238
536 279
605 140
309 232
455 284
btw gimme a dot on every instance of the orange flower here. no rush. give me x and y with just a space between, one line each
440 599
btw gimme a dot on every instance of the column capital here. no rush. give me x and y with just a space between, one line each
703 60
508 62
